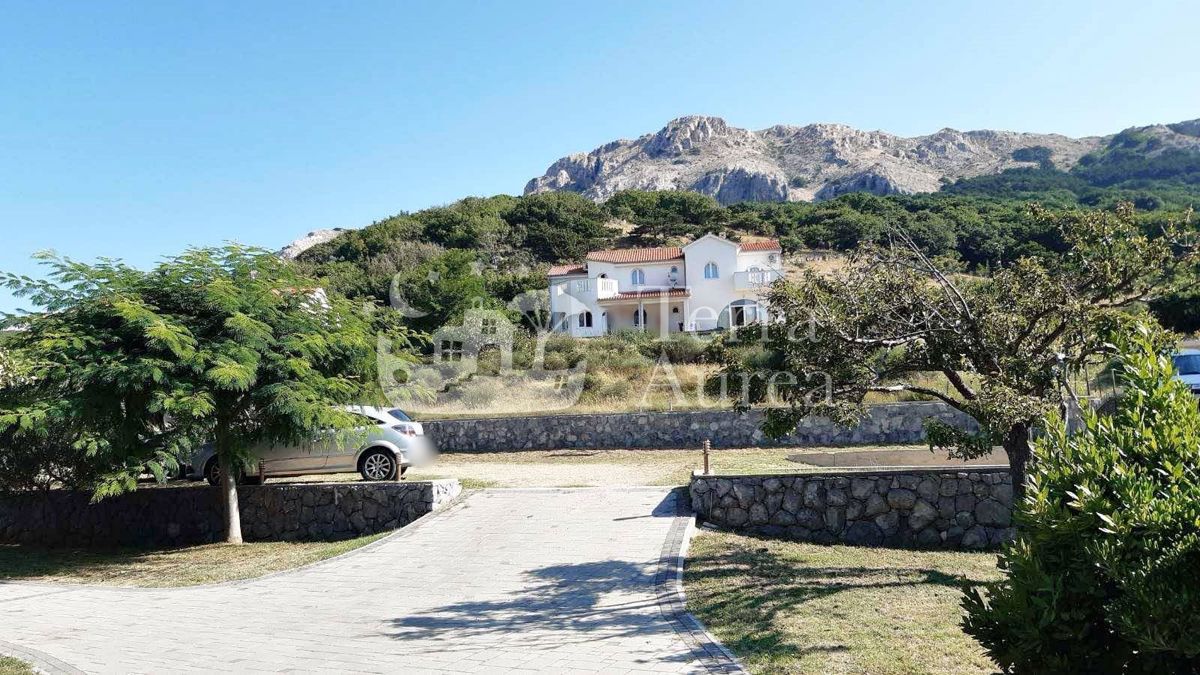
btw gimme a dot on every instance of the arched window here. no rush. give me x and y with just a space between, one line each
711 271
585 320
639 318
742 313
638 277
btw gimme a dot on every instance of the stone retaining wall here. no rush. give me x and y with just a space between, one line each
186 515
891 423
922 509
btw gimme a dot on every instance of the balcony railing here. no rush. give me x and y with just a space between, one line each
605 288
755 279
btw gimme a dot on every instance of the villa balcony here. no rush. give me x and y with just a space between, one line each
605 288
589 290
755 280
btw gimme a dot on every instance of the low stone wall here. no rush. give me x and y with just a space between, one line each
194 515
922 509
891 423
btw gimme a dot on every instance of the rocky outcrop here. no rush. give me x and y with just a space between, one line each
876 180
294 249
731 185
817 161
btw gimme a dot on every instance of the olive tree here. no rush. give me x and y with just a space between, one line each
1003 343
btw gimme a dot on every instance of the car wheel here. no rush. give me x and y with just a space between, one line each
212 472
378 464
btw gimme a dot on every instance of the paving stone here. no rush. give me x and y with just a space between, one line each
536 580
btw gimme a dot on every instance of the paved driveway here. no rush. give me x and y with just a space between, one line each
539 579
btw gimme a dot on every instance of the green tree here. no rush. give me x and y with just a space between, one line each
473 222
1179 310
227 345
1002 343
443 288
664 216
560 225
1102 577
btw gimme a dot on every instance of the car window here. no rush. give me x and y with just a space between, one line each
400 415
366 420
1187 364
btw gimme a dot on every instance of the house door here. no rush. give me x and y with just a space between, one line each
742 313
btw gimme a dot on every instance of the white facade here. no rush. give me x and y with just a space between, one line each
707 284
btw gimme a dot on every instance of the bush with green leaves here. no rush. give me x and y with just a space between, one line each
1104 576
125 370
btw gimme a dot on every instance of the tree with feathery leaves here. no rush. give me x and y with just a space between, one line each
131 368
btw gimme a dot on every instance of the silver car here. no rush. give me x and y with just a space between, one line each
1187 368
378 449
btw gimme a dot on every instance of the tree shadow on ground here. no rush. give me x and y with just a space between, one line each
570 603
559 604
23 561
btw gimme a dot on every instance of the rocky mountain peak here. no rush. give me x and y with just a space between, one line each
692 134
793 163
1188 128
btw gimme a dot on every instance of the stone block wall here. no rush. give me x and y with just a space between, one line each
891 423
921 509
179 516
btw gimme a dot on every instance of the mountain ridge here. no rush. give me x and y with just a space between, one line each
818 161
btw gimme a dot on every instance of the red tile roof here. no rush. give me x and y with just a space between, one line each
563 270
637 255
650 255
634 295
761 245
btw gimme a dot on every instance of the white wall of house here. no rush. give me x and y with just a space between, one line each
710 297
707 308
570 297
657 274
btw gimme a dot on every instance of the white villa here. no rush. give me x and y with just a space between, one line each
707 284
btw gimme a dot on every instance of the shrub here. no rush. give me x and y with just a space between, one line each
680 349
478 393
1103 577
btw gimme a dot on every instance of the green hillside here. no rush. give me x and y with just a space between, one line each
492 249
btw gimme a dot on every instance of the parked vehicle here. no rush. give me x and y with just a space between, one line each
1187 367
378 449
409 426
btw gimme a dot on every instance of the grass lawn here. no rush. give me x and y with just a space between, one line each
11 666
787 607
165 567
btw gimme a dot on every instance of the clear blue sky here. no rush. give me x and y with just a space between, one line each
133 130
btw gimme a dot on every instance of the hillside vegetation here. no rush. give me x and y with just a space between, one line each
485 251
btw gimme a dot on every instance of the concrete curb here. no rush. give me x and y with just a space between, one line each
40 661
672 599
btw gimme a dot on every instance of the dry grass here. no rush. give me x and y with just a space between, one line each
11 666
605 389
802 608
824 263
165 568
587 468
